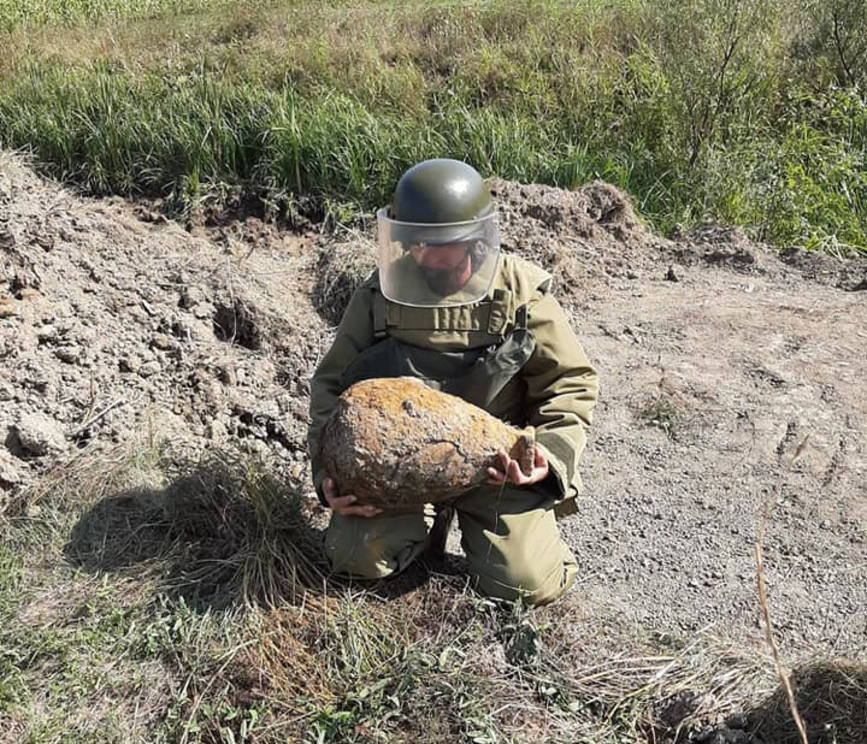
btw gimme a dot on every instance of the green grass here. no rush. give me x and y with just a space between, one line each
34 13
743 113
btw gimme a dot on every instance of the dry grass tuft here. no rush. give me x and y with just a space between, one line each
224 529
611 679
341 269
832 699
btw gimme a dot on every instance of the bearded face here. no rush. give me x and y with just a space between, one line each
445 268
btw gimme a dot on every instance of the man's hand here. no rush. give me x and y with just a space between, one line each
342 505
511 472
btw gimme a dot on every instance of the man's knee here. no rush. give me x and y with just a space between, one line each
355 561
525 577
373 547
353 552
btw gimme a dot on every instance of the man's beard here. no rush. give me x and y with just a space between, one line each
444 282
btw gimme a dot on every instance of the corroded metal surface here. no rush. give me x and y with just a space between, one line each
395 442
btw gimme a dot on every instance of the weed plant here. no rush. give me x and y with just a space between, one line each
742 112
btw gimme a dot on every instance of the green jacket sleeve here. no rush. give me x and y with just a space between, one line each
562 389
354 334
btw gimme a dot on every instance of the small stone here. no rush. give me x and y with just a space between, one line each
191 297
130 363
735 736
45 240
10 469
161 341
672 275
825 524
268 408
226 374
737 721
68 354
203 310
39 435
216 430
149 368
47 333
7 307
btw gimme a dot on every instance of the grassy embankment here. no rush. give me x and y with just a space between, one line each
743 112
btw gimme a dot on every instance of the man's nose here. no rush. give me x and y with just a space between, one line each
444 257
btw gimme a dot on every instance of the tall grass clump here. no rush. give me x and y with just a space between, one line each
734 110
30 13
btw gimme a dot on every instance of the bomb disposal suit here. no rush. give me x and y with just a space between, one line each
448 308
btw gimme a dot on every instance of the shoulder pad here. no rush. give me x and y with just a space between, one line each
372 282
523 279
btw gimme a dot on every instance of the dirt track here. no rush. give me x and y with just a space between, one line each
731 378
756 384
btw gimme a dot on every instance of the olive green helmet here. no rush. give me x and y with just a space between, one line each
440 191
439 238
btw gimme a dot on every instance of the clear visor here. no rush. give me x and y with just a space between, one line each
439 265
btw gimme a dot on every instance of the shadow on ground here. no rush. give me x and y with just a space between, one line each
832 700
223 532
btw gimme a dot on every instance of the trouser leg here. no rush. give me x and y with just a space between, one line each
513 545
373 547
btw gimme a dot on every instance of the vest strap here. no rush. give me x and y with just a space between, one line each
499 312
379 315
500 316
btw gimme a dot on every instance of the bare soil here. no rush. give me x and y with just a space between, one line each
733 382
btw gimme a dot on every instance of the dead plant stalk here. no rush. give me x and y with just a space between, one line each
769 635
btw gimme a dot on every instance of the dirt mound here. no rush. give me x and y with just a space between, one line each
849 274
583 237
732 377
112 326
341 267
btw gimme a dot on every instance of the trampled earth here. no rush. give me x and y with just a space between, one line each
733 383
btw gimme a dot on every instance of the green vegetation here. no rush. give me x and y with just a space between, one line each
738 111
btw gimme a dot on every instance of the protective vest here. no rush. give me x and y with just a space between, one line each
477 375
